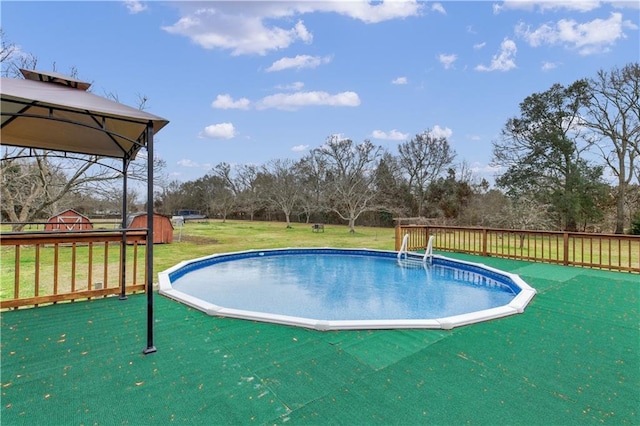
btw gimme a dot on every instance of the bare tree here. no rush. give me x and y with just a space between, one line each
7 48
241 180
525 213
33 188
217 193
280 186
311 170
223 202
249 200
171 197
613 113
12 58
349 177
423 159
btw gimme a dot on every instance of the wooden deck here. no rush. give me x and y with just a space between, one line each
50 267
613 252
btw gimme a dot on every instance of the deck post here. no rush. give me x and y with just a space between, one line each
484 241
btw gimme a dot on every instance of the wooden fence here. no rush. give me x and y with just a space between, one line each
604 251
49 267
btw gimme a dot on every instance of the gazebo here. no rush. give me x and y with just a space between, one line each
51 111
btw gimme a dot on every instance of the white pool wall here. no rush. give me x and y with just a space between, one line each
516 306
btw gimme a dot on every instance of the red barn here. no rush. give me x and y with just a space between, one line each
162 227
68 220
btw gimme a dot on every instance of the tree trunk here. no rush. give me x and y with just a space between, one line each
352 225
620 207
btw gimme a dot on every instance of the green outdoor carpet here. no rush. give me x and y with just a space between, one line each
572 358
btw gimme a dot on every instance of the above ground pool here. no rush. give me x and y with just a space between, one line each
337 289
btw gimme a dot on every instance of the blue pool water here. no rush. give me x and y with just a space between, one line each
334 285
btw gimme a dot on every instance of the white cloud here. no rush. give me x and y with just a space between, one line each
300 61
626 4
339 136
253 27
441 132
486 169
187 163
219 131
447 60
135 6
590 37
399 80
438 7
479 46
303 33
295 86
226 102
547 5
546 66
393 135
193 164
300 148
293 101
503 60
212 28
370 13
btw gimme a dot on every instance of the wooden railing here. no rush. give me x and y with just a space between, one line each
49 267
603 251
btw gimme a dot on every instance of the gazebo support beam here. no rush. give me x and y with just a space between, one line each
123 226
149 136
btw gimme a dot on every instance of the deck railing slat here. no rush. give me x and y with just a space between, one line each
49 267
604 251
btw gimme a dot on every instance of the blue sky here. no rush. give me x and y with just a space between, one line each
248 82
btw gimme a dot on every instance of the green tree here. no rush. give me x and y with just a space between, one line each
635 225
393 193
542 152
449 196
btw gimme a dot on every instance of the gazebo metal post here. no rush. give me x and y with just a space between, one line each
123 244
149 139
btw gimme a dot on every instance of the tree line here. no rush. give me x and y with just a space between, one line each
569 161
339 181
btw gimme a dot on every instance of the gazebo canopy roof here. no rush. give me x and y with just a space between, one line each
55 112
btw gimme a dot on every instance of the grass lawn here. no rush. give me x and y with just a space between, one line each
193 240
202 239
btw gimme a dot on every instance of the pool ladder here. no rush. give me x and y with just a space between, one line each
428 253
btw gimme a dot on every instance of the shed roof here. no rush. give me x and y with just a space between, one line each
71 211
55 112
